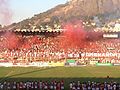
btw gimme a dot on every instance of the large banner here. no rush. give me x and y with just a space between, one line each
107 54
116 64
104 64
56 64
70 61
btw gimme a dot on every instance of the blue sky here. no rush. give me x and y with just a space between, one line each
23 9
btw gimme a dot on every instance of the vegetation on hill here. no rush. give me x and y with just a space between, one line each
74 9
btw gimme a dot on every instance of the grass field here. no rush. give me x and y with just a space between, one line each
67 74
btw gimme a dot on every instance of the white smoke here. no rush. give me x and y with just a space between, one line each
5 12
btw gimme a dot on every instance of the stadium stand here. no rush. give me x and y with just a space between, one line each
51 49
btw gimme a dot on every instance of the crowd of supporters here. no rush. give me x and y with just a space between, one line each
54 48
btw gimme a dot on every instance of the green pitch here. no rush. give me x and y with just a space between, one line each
67 74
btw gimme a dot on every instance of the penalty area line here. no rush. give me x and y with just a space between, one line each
6 76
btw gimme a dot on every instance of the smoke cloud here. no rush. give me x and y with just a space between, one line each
10 41
75 35
5 12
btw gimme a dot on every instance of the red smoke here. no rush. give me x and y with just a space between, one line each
5 12
11 41
75 35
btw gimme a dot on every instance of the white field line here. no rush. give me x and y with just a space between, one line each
6 76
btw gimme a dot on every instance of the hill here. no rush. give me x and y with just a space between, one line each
74 9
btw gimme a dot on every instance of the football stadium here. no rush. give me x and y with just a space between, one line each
75 54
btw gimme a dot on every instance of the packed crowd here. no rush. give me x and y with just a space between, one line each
55 48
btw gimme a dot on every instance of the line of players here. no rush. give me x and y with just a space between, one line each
58 85
94 86
32 85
